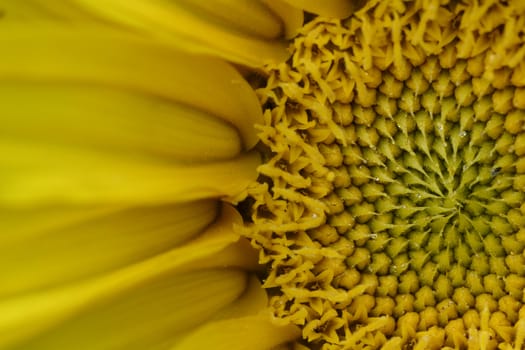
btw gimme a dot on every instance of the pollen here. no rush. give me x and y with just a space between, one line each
389 209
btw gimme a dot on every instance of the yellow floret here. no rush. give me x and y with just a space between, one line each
395 143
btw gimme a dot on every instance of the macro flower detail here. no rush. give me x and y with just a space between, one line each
389 209
389 146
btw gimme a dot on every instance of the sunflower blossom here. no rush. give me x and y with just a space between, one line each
387 213
389 209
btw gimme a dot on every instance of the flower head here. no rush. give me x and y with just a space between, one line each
388 212
389 209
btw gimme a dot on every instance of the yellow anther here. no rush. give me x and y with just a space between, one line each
431 68
350 195
428 274
480 264
446 311
380 264
476 66
492 243
504 144
514 286
485 302
342 222
407 325
501 326
386 107
471 319
409 102
432 339
444 259
341 177
510 307
520 169
512 244
396 246
481 87
367 137
408 282
502 100
363 116
383 306
360 307
424 298
500 225
448 58
464 94
352 154
343 247
498 266
474 283
325 234
348 279
401 69
501 78
400 264
518 100
366 97
332 154
428 318
417 82
519 145
494 285
391 87
516 264
418 259
360 258
370 282
442 85
378 243
430 101
518 76
463 255
387 286
456 335
459 74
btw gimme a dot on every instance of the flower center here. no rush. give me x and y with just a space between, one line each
389 209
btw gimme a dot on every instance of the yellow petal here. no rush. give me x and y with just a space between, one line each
252 301
149 315
50 51
250 17
116 120
32 174
244 324
98 244
15 225
257 332
32 314
292 17
180 25
20 10
328 8
30 10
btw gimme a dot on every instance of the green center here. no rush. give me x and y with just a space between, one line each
437 187
389 209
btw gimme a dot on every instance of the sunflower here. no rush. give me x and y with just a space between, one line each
390 206
383 202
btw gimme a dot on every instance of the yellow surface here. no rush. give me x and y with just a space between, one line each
390 206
